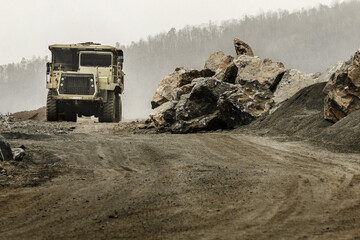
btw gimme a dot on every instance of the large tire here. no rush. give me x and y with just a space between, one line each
118 113
108 113
51 109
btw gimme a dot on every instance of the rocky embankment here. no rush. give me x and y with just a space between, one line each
234 91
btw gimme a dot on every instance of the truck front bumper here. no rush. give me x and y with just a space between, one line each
79 98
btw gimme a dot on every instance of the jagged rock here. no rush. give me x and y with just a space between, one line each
343 90
223 66
5 150
218 62
252 98
206 122
228 74
265 71
18 153
242 48
202 99
163 115
292 81
180 77
186 89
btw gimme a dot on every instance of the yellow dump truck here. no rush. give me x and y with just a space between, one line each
84 79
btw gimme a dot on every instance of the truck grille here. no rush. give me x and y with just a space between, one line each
77 84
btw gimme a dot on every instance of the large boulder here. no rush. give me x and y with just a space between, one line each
223 66
181 76
343 90
162 115
266 72
242 48
202 100
228 74
250 100
218 62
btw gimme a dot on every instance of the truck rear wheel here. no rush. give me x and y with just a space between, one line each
51 109
108 113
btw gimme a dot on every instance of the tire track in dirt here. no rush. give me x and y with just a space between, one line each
196 186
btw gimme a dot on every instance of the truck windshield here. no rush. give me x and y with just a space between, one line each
65 59
95 60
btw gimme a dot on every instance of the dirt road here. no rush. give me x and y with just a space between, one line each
91 184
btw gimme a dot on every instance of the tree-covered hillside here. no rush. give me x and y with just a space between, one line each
22 85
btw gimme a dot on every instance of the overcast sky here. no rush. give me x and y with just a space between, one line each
27 27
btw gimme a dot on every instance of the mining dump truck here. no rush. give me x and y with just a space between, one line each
84 79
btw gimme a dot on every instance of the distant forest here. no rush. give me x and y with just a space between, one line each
309 40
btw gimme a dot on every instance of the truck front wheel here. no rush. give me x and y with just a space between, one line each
51 109
108 113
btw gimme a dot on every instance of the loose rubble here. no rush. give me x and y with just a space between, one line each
9 124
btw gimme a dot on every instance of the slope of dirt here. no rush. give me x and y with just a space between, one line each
344 134
163 186
38 114
302 117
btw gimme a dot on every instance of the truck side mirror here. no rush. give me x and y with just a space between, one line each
48 67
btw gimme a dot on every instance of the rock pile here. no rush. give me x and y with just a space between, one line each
232 91
228 92
343 90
